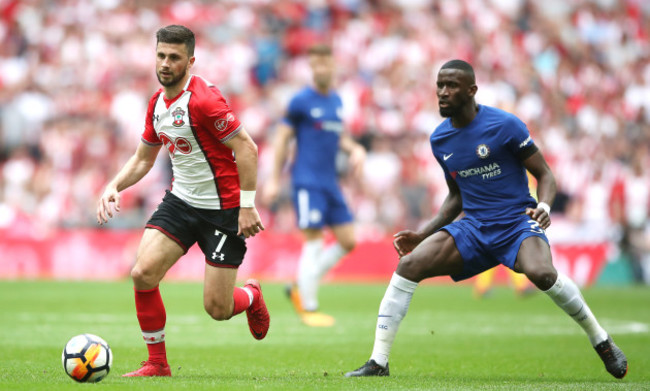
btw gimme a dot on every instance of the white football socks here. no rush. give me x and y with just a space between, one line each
392 310
328 258
567 296
308 274
313 265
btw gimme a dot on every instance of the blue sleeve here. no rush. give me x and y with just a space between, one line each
444 169
440 162
292 117
517 136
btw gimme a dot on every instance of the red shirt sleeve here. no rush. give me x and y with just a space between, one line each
149 135
215 116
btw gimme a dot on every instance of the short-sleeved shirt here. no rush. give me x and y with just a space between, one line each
485 160
193 127
316 121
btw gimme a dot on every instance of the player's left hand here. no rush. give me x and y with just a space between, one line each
250 223
539 215
356 160
406 241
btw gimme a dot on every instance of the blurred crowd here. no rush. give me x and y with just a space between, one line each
76 75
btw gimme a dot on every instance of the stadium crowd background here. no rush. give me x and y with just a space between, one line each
76 75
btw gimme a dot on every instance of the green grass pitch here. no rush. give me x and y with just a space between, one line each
448 341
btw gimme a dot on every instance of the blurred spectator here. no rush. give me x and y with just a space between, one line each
634 212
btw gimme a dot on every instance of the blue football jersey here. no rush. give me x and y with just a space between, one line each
483 159
316 121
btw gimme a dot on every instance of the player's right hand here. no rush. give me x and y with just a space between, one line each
357 160
250 223
406 241
104 210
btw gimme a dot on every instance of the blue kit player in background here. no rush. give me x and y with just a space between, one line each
484 153
314 119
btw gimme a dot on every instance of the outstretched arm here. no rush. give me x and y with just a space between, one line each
283 134
406 241
135 169
245 151
546 188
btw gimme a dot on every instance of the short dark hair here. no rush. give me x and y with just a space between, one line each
462 66
320 49
177 34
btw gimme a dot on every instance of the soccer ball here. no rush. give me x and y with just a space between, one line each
87 358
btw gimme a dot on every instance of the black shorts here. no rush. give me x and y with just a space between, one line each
214 229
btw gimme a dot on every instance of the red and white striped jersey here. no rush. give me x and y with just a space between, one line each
193 127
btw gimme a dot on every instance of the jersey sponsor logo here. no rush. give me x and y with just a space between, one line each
329 126
483 151
222 124
178 117
183 146
445 157
486 172
525 142
180 144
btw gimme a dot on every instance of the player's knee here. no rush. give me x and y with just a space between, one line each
144 278
218 310
410 268
348 245
543 278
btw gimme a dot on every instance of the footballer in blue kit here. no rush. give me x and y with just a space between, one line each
484 153
493 186
314 120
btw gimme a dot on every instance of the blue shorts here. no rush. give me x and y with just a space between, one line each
484 245
316 208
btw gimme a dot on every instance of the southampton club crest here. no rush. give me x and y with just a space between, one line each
483 151
178 117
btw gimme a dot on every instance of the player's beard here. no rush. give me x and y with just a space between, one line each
449 111
452 110
173 81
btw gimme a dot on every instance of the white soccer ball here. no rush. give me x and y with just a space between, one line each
87 358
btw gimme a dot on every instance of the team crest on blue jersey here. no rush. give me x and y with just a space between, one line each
178 117
483 151
316 112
